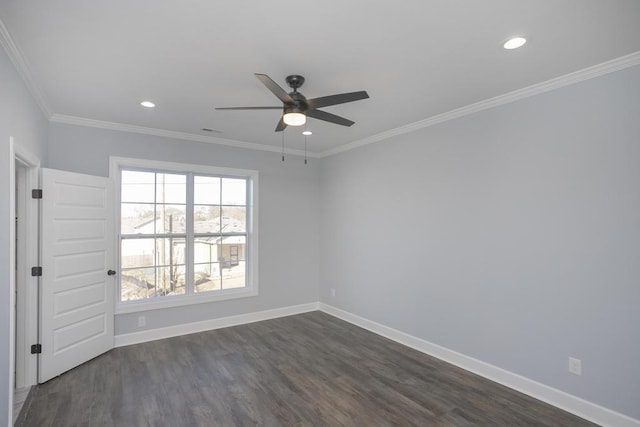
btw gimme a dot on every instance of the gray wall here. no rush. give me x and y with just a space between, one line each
288 220
511 235
21 118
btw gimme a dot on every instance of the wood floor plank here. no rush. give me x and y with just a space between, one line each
305 370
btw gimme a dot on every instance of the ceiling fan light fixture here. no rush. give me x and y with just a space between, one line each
294 119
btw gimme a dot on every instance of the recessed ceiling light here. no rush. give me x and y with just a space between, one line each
514 43
307 133
147 104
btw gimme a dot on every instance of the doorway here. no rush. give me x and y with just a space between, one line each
24 286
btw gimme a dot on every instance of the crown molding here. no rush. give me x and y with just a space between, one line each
22 66
536 89
101 124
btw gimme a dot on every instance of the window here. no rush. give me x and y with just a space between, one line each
187 233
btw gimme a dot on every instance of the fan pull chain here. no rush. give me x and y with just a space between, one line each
283 145
305 144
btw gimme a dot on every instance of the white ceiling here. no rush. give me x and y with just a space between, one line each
416 58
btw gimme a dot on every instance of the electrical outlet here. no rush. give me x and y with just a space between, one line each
575 366
333 292
142 321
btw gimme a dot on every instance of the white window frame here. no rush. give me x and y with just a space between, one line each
116 164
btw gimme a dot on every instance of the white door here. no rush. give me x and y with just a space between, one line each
76 296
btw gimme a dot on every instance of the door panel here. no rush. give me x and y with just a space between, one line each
76 302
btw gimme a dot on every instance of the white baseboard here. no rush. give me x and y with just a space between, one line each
207 325
580 407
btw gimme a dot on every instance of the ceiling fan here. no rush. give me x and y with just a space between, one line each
296 107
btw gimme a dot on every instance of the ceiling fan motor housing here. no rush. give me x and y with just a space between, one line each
299 105
294 109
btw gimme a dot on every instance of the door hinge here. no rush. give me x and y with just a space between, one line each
36 348
36 271
36 193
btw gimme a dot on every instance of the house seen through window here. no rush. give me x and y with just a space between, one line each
182 234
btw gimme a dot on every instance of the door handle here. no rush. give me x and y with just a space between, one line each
111 273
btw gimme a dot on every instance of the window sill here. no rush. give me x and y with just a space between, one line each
181 300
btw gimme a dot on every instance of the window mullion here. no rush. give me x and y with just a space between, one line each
156 260
189 246
248 203
219 233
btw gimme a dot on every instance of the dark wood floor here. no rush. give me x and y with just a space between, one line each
310 369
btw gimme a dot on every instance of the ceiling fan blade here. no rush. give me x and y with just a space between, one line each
328 117
248 108
325 101
275 89
281 125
